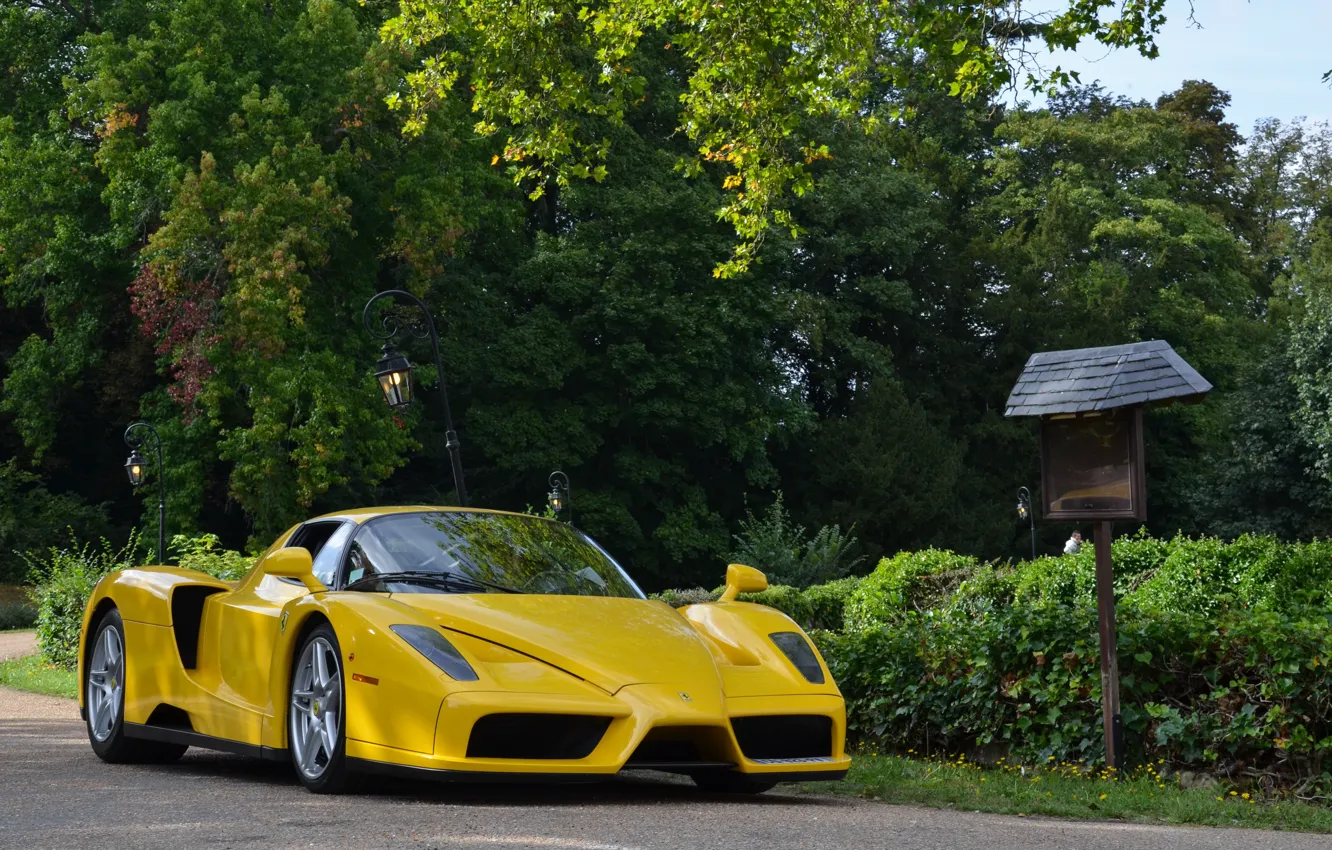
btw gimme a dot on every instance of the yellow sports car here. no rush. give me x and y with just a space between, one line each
450 643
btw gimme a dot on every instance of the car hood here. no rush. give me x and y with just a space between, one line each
609 642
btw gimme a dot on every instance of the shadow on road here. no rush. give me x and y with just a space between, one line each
638 786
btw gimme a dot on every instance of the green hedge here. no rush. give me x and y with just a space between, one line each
1248 691
817 607
1223 650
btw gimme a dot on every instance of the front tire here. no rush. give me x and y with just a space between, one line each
316 728
104 700
727 782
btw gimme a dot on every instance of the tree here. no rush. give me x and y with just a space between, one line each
756 72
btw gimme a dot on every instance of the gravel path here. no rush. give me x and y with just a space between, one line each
20 705
17 644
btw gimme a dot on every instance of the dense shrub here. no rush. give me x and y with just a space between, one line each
817 607
17 615
1247 694
64 579
782 549
1187 575
205 554
909 581
688 596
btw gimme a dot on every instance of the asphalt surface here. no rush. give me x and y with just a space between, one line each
54 793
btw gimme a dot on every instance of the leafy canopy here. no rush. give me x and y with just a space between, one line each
757 70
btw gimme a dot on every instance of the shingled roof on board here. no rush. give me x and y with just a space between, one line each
1088 379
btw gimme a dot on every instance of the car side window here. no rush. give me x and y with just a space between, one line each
330 554
326 542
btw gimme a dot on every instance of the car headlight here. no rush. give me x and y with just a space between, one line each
433 645
794 646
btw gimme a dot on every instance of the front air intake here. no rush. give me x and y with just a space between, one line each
785 736
536 736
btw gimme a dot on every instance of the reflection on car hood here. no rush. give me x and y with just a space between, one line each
610 642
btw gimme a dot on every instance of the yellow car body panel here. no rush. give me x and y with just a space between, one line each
221 656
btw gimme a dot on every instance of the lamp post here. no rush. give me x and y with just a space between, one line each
134 468
1025 512
394 371
559 498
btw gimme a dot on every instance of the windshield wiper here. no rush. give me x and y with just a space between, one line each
425 577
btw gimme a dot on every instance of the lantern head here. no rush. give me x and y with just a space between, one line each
134 468
394 373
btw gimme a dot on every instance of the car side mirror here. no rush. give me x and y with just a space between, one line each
294 562
742 579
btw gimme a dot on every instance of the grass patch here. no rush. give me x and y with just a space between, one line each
1068 791
31 673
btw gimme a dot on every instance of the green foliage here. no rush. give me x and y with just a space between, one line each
17 615
908 581
205 554
197 197
818 607
31 516
1186 575
1240 691
32 673
776 545
543 75
1222 652
64 578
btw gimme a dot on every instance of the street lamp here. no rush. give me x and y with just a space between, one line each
559 498
1025 512
134 468
393 372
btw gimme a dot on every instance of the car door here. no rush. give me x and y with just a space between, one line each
241 628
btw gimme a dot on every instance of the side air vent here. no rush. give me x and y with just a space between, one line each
186 612
536 736
169 717
787 736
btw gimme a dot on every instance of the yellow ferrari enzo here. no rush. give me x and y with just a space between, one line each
452 643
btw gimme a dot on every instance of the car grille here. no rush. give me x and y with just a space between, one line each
787 736
536 736
680 747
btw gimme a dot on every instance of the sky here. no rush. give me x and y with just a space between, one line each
1270 55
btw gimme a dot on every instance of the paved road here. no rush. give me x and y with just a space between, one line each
55 794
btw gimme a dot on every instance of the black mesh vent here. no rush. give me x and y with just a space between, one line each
536 736
793 736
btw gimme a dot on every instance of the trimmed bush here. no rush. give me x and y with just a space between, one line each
64 580
826 604
688 596
1246 694
908 581
817 607
1187 575
17 615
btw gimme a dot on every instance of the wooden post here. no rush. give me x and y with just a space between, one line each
1105 607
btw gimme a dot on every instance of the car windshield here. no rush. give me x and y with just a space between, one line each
478 552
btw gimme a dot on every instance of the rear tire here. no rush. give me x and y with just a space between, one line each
104 701
316 727
728 782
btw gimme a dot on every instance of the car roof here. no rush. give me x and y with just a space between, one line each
361 515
